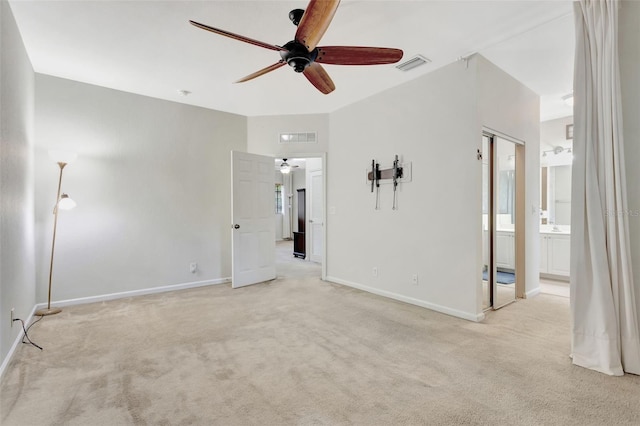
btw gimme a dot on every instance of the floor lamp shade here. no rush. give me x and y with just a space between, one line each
63 202
66 203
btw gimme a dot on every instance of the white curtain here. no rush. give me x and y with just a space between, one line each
604 316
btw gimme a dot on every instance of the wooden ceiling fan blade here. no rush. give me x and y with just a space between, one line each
355 55
262 71
237 36
319 78
315 21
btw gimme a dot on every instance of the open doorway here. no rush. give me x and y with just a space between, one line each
556 159
300 214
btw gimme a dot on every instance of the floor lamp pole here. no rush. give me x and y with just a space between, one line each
49 310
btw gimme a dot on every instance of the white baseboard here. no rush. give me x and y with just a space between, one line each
532 293
7 359
554 277
105 297
413 301
133 293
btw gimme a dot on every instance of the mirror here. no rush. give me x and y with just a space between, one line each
498 222
556 195
556 157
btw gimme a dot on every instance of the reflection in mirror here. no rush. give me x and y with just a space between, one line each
507 194
556 197
555 187
504 290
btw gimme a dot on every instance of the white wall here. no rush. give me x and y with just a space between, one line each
152 183
629 51
17 276
553 133
312 165
435 122
263 134
431 122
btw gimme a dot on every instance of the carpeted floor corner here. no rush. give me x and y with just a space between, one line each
299 351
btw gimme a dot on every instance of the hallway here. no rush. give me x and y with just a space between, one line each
288 266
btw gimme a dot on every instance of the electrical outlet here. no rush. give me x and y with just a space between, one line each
414 279
374 271
193 267
13 310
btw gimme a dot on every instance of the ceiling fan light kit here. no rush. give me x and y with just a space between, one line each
295 16
286 168
302 53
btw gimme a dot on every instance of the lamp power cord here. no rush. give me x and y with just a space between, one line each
25 337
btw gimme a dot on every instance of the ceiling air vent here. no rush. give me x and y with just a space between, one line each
412 63
299 137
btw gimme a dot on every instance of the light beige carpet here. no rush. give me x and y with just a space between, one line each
299 351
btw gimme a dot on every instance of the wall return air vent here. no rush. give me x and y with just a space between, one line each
298 137
412 63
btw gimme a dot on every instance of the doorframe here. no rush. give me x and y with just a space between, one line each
309 174
323 157
520 207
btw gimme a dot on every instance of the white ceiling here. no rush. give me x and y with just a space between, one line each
149 48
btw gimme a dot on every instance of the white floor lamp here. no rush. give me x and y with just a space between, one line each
62 202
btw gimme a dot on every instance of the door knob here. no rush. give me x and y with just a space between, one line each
236 226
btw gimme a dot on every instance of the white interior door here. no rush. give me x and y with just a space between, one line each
253 227
316 217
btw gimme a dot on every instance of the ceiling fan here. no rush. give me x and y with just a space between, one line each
303 53
286 167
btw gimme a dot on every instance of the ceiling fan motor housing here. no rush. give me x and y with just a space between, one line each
297 55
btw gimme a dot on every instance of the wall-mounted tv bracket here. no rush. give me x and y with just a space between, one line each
374 177
395 174
373 173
